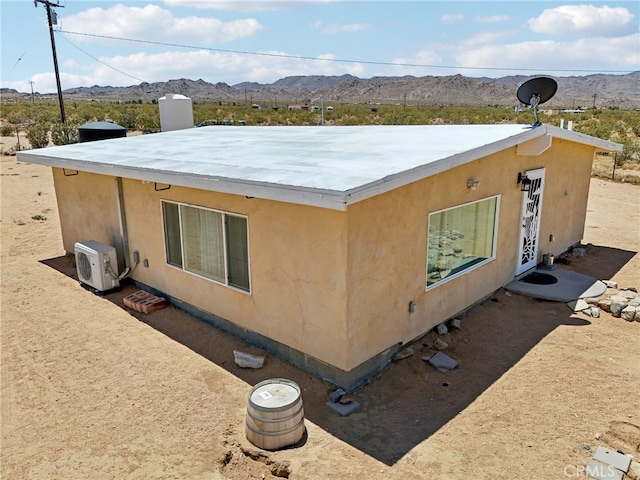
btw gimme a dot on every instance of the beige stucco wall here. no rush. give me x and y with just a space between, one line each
388 242
565 195
297 258
88 208
337 285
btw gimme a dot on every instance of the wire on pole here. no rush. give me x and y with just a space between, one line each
50 15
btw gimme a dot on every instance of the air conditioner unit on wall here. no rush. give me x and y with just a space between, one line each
97 265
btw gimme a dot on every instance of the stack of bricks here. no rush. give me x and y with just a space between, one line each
144 302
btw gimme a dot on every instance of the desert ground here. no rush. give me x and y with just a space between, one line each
93 390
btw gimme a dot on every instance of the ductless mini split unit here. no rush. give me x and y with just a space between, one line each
97 265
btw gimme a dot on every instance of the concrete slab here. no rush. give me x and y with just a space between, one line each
570 287
443 362
344 409
602 471
616 459
578 305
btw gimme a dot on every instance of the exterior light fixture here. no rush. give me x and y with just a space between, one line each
472 183
524 181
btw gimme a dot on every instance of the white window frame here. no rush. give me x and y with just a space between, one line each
494 245
224 240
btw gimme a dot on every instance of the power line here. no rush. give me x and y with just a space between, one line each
22 56
337 60
100 61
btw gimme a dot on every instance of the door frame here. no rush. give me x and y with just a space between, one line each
530 215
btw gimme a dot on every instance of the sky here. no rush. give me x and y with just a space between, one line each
120 43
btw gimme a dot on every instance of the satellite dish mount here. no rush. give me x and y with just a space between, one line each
535 92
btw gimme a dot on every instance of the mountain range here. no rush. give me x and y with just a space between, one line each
600 90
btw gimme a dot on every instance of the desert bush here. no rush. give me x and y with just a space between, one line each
63 135
127 118
38 135
145 116
594 127
7 130
14 116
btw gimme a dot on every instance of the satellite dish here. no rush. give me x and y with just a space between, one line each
536 91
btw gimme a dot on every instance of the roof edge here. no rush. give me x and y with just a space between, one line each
309 196
423 171
583 138
334 200
404 178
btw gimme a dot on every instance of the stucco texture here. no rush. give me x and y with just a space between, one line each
337 285
388 242
297 257
88 206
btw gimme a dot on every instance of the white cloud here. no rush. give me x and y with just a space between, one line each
491 18
157 24
483 56
430 56
452 18
20 85
583 19
484 38
213 67
613 54
335 28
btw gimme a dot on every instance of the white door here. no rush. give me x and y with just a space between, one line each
530 222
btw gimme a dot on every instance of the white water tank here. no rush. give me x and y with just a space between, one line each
176 112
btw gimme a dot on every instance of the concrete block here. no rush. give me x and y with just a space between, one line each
443 362
602 471
442 329
455 323
344 409
611 457
144 302
440 345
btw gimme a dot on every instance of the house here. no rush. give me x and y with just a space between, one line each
330 247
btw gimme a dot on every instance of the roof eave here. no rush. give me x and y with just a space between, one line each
404 178
578 137
331 199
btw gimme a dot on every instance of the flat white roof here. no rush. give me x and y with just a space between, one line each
329 166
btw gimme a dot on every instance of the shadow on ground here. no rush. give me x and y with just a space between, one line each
601 262
410 400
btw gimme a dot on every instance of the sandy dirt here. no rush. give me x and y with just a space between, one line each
92 389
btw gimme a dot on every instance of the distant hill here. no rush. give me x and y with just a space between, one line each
198 89
606 90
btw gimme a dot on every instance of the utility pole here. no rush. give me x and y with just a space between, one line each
31 82
321 98
50 15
